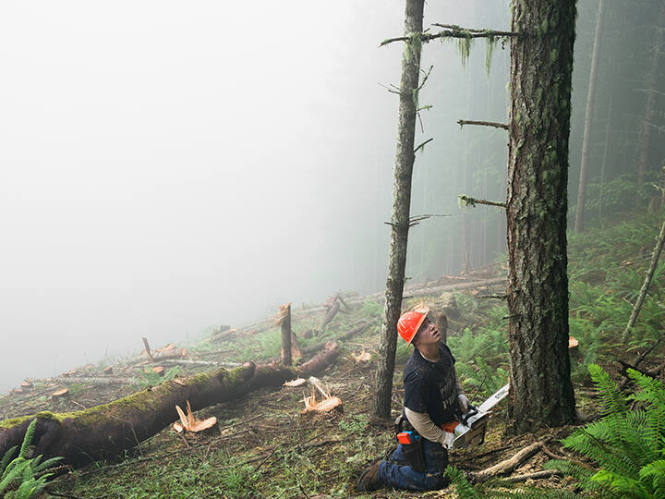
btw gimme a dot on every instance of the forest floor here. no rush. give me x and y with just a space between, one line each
263 446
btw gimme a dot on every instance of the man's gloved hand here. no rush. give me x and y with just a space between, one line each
447 440
464 403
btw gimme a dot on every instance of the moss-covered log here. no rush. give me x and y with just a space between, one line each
104 431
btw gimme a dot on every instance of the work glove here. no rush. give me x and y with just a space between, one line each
447 440
464 403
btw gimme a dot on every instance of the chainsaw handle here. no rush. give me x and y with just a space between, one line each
471 412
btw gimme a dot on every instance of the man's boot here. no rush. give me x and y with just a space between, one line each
369 479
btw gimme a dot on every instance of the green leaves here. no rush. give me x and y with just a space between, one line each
627 445
20 477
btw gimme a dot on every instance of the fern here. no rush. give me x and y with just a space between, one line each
464 488
628 446
27 476
613 400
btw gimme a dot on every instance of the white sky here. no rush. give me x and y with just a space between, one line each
167 166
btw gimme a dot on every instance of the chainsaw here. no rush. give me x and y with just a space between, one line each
471 430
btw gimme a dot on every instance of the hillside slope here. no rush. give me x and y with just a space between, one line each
264 446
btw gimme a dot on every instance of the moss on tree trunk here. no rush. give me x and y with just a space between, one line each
408 105
541 67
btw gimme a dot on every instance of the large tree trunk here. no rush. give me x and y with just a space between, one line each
590 98
408 104
649 111
104 431
541 392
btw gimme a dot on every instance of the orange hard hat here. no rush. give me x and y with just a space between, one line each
409 323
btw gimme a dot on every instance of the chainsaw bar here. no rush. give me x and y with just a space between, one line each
472 430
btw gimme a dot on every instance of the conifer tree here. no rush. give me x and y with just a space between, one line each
541 68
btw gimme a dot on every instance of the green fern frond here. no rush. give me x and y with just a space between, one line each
464 488
49 463
622 484
12 473
652 391
27 439
656 472
6 459
613 399
26 477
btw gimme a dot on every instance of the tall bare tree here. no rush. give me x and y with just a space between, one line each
649 109
541 67
590 99
408 106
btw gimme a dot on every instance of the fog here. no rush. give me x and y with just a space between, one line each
167 166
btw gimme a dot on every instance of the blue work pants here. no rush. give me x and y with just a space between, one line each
396 473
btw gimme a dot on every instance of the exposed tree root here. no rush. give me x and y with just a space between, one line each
536 475
506 466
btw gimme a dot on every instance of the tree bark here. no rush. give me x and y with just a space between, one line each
650 107
408 105
330 314
590 98
105 431
285 319
541 391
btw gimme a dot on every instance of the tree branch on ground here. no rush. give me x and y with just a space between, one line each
506 466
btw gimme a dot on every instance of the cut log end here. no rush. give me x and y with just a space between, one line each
572 343
326 405
63 392
189 423
362 358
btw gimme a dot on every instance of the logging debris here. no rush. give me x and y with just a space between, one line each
362 357
295 383
506 466
328 403
60 393
189 423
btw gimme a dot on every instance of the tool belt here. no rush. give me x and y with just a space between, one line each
412 445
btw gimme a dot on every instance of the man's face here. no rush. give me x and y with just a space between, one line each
427 334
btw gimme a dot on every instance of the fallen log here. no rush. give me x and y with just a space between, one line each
194 362
506 466
353 332
536 475
92 380
105 431
413 292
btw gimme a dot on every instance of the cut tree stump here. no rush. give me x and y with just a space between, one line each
105 431
332 307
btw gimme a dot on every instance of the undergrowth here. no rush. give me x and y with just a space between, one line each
147 378
606 269
22 477
627 445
